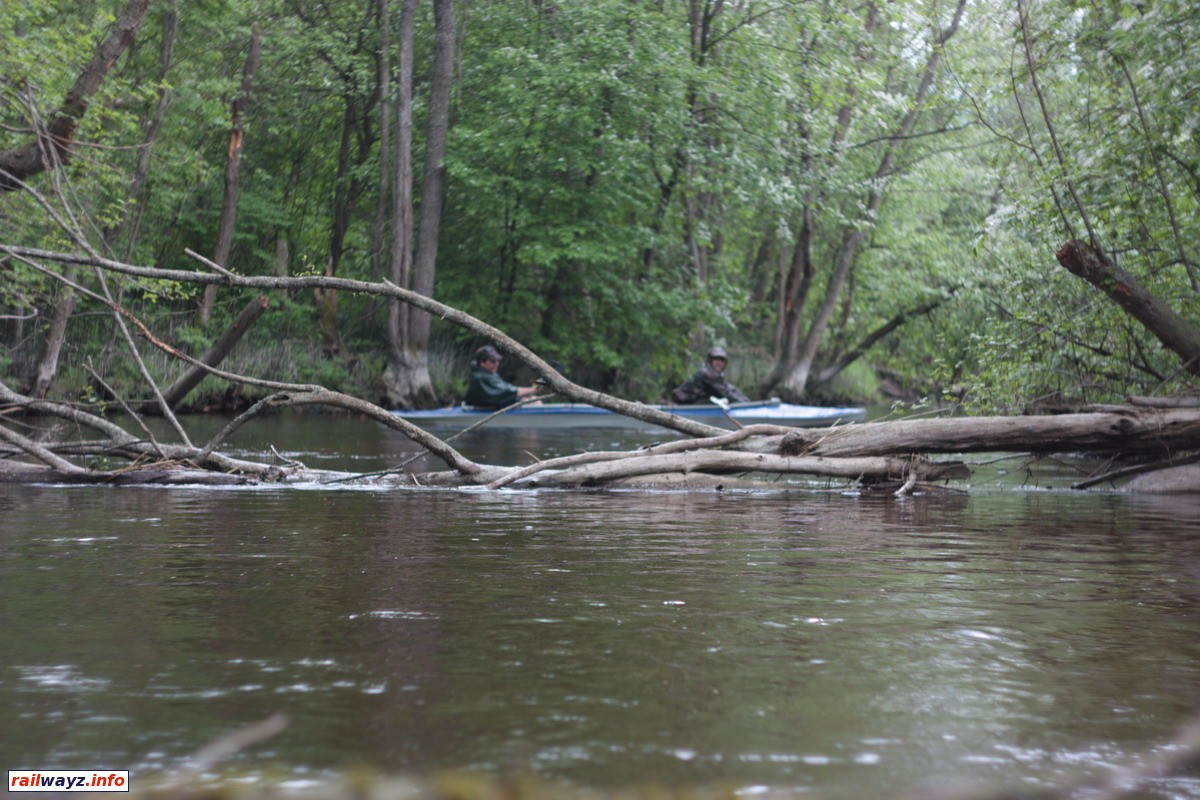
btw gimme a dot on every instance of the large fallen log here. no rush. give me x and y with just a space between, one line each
693 456
1161 433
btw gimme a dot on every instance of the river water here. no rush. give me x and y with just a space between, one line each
820 641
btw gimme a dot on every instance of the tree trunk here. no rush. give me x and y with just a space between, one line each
52 147
723 461
408 378
1123 430
233 165
795 283
56 336
214 355
853 354
355 148
802 271
138 193
795 379
1176 334
383 62
400 268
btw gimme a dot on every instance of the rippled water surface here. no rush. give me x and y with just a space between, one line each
818 641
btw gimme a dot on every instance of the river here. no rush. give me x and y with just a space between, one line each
819 641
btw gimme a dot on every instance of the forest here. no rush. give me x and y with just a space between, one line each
984 207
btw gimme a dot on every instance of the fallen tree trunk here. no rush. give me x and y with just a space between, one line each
733 461
1129 431
1191 401
215 354
703 455
1175 332
11 472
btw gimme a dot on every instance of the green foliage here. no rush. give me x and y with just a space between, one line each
1114 153
553 187
621 189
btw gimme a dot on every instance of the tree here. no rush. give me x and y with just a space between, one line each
798 182
233 164
407 376
53 142
1094 131
53 147
797 357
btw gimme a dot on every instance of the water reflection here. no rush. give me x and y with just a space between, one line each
854 645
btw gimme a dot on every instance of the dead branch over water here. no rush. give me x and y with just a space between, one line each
893 453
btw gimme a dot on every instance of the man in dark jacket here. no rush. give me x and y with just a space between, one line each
489 390
709 381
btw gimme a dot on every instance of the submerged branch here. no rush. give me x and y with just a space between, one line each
39 452
324 397
711 461
680 446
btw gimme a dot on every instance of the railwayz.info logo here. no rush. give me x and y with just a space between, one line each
64 780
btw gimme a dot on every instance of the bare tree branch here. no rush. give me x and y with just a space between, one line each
554 380
325 397
39 452
680 446
740 461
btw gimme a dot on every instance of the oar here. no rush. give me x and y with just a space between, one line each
723 404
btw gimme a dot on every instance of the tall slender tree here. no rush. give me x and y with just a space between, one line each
407 377
52 148
233 166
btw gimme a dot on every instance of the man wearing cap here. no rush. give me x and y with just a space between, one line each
709 381
489 390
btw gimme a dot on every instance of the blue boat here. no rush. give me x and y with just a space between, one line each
582 415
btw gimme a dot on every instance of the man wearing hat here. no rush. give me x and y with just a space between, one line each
709 381
489 390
